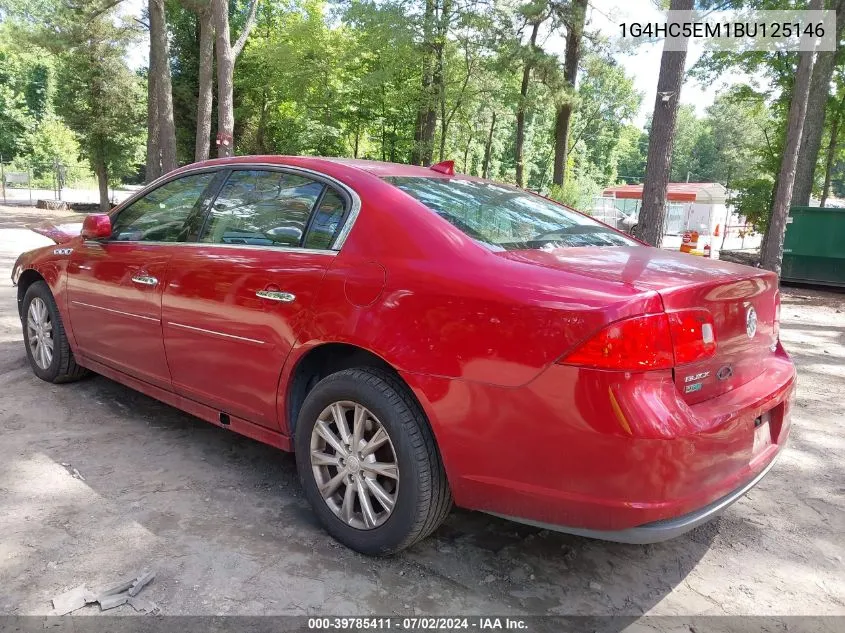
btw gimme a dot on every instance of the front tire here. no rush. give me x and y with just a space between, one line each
368 462
45 339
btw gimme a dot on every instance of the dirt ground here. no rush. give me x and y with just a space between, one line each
222 520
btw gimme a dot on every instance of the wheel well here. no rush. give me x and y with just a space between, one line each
27 278
323 361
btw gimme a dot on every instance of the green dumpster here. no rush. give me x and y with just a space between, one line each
814 246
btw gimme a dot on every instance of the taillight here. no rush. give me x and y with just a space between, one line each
693 335
636 344
652 341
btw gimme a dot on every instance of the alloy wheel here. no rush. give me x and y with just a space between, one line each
355 465
39 333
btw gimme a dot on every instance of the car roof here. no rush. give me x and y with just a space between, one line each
380 169
383 169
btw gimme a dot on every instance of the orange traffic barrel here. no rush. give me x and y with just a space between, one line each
689 241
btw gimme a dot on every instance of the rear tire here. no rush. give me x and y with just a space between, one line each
407 495
44 336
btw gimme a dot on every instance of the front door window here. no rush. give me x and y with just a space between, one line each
162 215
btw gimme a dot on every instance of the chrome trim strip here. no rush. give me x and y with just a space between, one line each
284 249
351 217
658 530
214 333
129 314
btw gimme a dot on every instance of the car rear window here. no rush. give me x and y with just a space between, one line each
507 218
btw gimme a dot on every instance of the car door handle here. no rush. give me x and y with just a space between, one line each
276 295
145 280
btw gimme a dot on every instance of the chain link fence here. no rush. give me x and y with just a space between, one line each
29 181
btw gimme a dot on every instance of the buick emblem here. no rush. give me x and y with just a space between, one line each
725 372
751 322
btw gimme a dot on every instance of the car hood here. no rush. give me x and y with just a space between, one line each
59 233
640 267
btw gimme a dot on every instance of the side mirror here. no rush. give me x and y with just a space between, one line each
96 227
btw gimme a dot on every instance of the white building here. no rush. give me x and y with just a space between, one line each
693 206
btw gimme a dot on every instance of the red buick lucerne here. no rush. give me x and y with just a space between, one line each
420 338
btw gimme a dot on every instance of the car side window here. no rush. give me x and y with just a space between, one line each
262 208
327 220
161 215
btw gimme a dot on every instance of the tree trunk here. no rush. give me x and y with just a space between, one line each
153 168
831 151
438 78
102 173
563 116
429 123
444 127
206 84
225 78
227 53
811 136
467 147
426 115
661 138
772 253
261 131
520 111
357 138
160 69
488 147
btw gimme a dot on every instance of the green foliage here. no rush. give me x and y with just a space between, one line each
65 89
49 142
183 31
102 101
689 129
26 84
632 151
344 77
308 87
578 191
754 200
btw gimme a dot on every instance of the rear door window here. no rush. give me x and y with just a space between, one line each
262 208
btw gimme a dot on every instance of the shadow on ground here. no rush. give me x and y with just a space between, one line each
223 520
98 481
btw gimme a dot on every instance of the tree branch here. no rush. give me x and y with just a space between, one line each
238 46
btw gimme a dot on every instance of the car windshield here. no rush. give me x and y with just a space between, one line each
506 218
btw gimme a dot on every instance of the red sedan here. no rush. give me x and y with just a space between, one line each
420 338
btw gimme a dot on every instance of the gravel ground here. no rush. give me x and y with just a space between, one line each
222 520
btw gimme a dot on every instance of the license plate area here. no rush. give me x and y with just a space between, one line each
762 432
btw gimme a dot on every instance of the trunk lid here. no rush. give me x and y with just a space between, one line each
741 299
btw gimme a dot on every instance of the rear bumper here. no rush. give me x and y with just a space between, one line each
662 530
606 454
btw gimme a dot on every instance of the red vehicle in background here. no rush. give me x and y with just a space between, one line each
418 338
